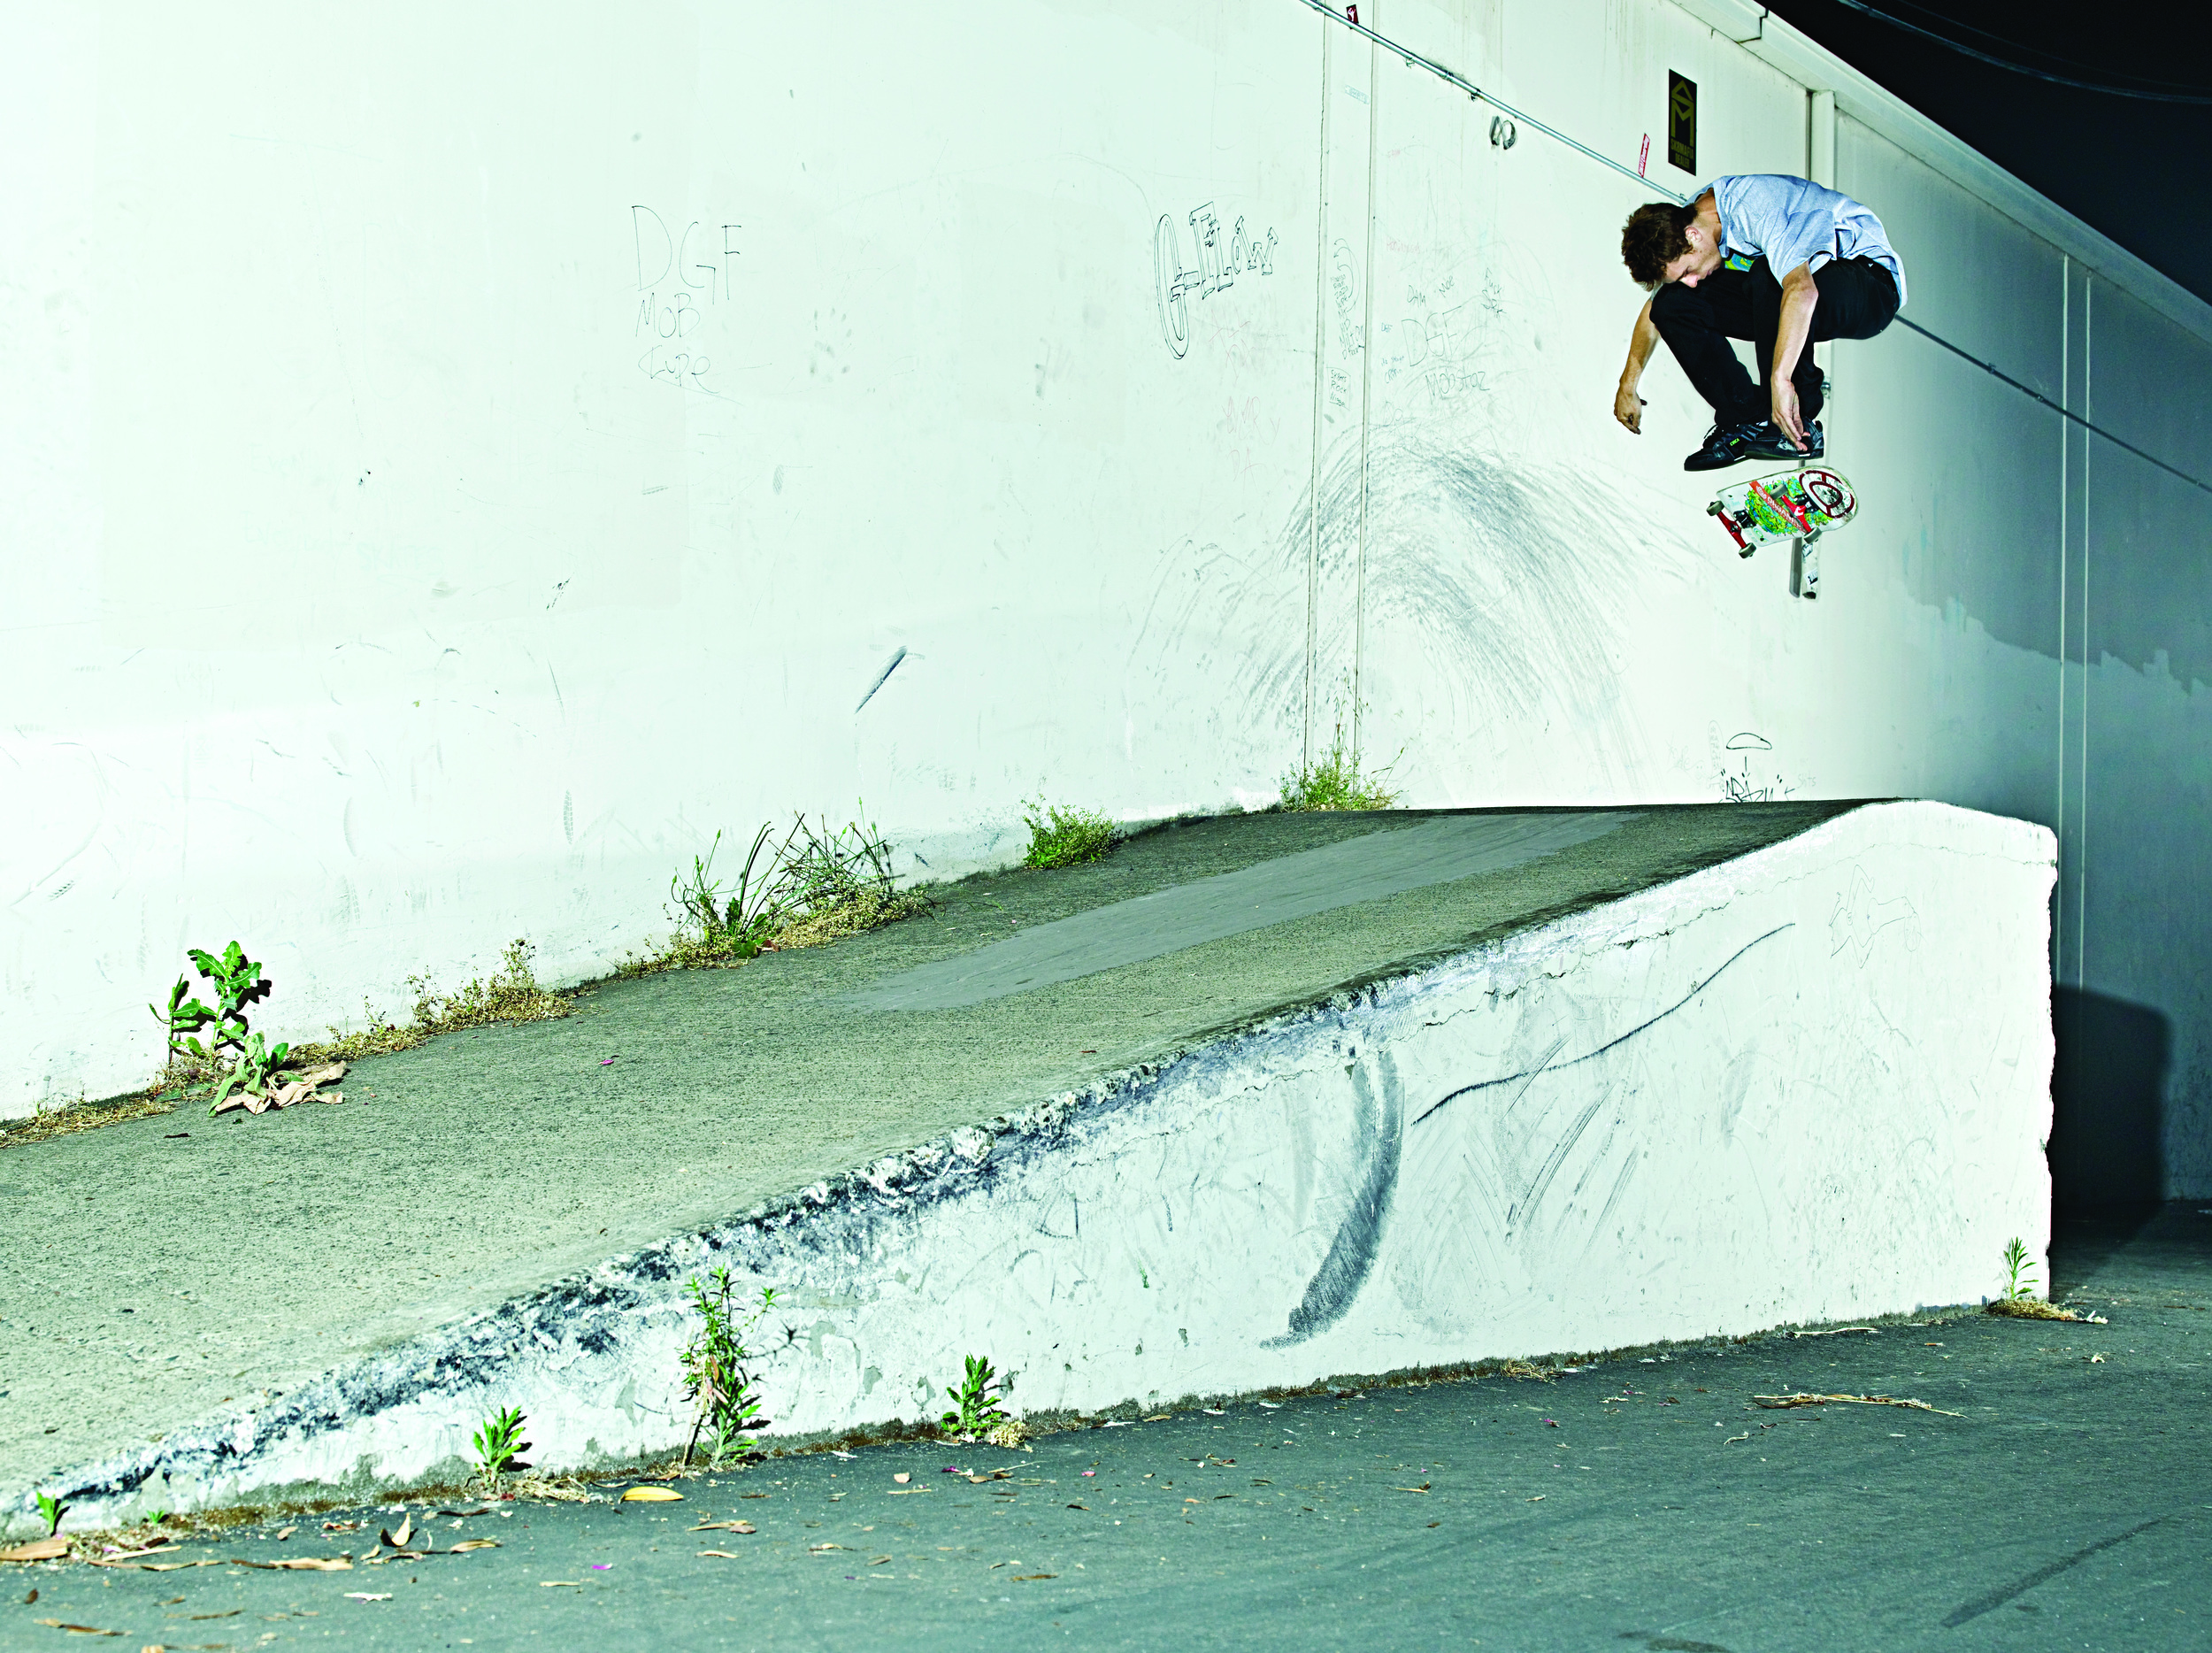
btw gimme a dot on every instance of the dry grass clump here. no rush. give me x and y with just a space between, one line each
82 1116
510 994
865 910
1522 1369
2034 1309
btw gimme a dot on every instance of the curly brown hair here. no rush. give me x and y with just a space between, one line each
1653 238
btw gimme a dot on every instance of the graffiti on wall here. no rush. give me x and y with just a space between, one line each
683 274
1217 260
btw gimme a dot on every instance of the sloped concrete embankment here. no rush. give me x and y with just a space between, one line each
1808 1084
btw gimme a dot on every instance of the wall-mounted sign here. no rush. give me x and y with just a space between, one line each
1681 122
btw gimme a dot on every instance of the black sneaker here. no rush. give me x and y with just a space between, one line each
1769 442
1726 445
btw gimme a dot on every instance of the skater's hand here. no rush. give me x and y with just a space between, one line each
1628 407
1786 415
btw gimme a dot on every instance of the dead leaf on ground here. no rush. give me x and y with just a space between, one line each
110 1559
822 1549
398 1541
484 1508
467 1544
902 1478
301 1563
722 1526
1423 1487
722 1554
652 1494
76 1630
1025 1577
37 1550
1773 1401
368 1596
1837 1331
286 1534
560 1584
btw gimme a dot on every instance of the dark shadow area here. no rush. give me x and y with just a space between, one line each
2112 1252
2108 1106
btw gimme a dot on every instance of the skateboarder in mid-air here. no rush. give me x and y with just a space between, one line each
1778 260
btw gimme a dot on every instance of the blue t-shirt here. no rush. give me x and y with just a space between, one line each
1789 221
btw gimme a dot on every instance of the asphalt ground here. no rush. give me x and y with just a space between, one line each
162 1270
1644 1501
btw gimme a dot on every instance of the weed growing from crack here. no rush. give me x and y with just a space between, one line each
710 928
838 883
1336 783
715 1378
819 883
976 1411
51 1511
238 982
1065 837
2018 1300
499 1445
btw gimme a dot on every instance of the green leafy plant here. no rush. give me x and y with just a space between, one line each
499 1444
51 1511
254 1071
1335 782
715 1376
1065 837
976 1409
238 982
2019 1272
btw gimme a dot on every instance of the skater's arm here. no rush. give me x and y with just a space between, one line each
1800 297
1628 407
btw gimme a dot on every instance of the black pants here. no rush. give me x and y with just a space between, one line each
1858 297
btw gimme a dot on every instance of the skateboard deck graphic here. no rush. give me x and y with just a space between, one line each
1788 506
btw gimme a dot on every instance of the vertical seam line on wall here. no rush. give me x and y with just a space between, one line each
1320 346
2065 396
2088 412
1367 394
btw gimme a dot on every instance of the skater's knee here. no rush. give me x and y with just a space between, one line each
1674 303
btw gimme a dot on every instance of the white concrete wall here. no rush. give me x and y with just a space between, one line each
1811 1084
401 559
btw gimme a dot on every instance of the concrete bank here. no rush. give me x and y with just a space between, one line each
1600 1079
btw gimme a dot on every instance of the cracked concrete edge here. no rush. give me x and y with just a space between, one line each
358 1429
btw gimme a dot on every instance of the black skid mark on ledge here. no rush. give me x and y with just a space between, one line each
1351 1256
1545 1067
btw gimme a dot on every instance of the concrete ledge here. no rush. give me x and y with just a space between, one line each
1807 1083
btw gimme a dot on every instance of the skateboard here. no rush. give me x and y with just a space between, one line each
1788 506
1799 505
